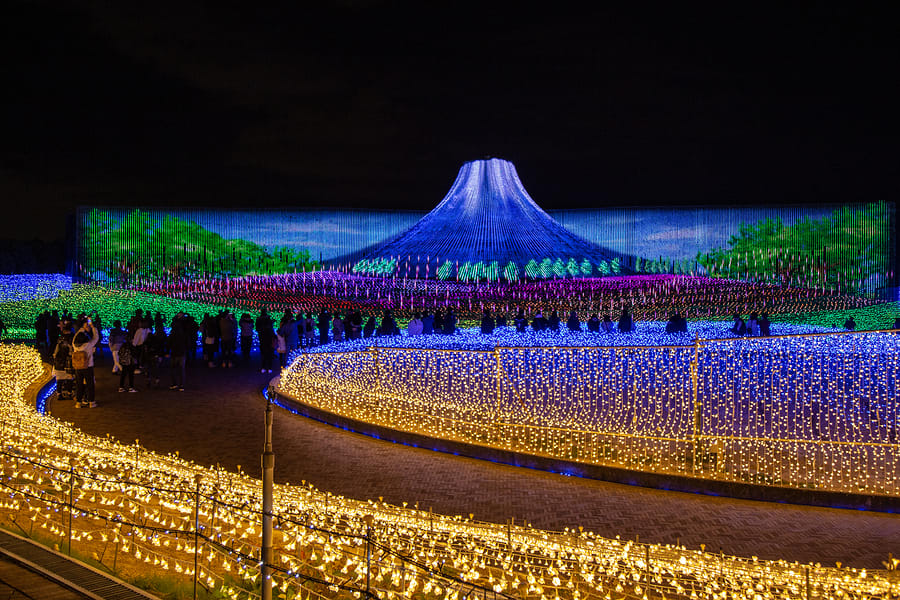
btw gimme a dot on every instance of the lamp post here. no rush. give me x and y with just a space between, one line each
369 519
268 469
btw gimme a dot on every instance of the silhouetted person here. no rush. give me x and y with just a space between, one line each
521 322
850 324
553 322
369 329
739 327
323 326
672 324
428 324
626 324
765 325
83 360
177 349
266 334
753 324
573 322
450 323
487 323
607 325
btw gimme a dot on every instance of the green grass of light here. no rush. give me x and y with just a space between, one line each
109 303
114 304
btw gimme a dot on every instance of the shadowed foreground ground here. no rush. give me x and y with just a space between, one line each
220 419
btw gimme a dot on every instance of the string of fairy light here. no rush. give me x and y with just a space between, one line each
803 411
139 506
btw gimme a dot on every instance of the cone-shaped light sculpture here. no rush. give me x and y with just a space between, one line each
489 228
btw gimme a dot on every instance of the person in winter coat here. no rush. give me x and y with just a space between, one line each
116 339
177 349
210 328
228 337
266 335
83 345
62 365
154 351
140 336
246 328
310 334
281 342
127 360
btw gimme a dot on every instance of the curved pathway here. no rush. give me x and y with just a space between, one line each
220 420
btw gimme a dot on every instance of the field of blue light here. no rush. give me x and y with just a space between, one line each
840 387
646 333
19 288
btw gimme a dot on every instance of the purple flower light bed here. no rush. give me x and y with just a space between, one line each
651 297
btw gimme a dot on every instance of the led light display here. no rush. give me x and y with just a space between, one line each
816 411
651 297
487 222
142 511
489 229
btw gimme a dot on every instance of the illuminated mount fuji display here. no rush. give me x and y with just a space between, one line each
487 227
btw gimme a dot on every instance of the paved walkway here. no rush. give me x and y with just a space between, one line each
220 419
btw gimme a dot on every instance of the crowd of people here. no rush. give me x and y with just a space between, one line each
142 346
146 345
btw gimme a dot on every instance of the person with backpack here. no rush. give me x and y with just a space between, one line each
127 361
62 366
83 345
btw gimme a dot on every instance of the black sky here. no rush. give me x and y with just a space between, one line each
376 104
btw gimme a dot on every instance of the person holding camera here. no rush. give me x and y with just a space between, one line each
83 345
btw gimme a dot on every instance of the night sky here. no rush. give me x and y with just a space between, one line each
376 104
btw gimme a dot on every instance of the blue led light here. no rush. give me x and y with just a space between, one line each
44 395
487 219
20 288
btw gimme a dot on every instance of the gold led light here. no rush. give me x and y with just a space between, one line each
806 411
136 509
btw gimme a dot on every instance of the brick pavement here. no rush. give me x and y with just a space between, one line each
219 419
